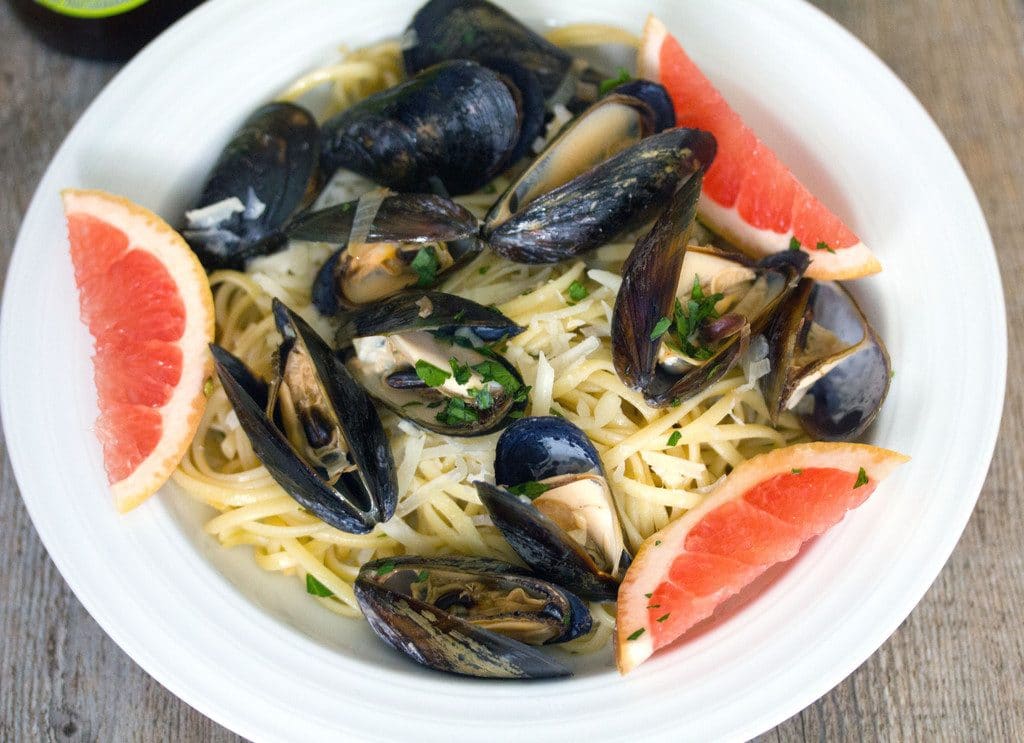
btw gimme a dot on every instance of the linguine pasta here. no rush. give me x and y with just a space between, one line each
660 462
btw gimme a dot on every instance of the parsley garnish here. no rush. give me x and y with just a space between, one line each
459 315
531 489
794 244
862 478
674 438
555 411
577 292
426 265
607 86
483 397
663 617
421 576
494 371
483 269
824 246
456 412
654 606
431 375
699 308
797 471
460 371
317 588
636 634
661 328
385 567
648 595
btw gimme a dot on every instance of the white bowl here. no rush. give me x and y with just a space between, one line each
249 650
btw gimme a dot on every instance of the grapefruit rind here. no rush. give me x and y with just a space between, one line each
181 414
847 262
654 559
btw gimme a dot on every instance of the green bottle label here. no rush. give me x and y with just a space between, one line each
91 8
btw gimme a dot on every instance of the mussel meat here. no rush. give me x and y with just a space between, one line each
457 122
314 429
413 240
470 616
827 362
563 205
267 172
683 316
424 355
554 506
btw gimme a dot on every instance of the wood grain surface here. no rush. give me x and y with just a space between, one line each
953 671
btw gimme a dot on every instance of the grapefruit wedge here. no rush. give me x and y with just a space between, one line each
760 515
749 196
147 303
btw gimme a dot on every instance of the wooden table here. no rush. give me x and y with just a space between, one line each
954 670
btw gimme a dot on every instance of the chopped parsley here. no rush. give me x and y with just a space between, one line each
431 375
385 567
426 266
824 246
654 606
556 412
482 395
797 471
608 85
657 542
674 438
495 371
460 371
862 478
531 489
663 617
577 292
421 576
317 588
456 412
699 308
459 315
483 269
636 635
648 595
794 244
661 328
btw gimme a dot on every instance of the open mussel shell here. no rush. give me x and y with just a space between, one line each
267 172
456 121
469 616
827 362
328 449
592 208
569 532
406 352
652 276
408 231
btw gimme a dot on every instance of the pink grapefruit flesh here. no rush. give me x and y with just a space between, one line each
760 515
749 196
147 304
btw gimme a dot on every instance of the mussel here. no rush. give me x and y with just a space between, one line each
478 30
683 316
267 172
424 355
827 362
564 205
470 616
456 122
554 506
413 240
314 429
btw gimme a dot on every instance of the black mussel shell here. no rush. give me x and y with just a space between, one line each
821 337
270 166
655 96
651 276
616 196
435 327
542 545
479 30
540 447
411 222
359 499
456 121
433 311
